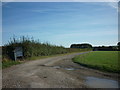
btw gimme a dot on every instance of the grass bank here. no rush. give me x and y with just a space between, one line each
7 62
102 60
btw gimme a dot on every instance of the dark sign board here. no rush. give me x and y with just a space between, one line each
18 52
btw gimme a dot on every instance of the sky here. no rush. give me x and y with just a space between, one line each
61 23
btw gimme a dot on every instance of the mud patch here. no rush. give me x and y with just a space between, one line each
65 68
69 68
95 82
56 67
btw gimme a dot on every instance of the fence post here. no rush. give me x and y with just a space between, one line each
14 55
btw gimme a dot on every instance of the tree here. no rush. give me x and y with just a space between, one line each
84 45
118 45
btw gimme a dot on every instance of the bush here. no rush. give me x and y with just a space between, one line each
31 48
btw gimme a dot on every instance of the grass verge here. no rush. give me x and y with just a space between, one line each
101 60
7 63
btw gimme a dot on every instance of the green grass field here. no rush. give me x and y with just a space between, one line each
101 60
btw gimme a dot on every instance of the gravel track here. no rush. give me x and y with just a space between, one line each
54 72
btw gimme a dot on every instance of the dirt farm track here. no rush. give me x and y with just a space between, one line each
54 72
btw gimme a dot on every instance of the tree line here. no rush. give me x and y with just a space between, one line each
98 48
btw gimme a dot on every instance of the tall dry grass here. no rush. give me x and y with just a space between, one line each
32 48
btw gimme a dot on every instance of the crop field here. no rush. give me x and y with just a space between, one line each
101 60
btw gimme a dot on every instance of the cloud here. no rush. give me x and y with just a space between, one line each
57 10
46 10
96 0
60 0
113 4
5 4
39 11
84 34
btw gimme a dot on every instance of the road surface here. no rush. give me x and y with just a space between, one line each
54 72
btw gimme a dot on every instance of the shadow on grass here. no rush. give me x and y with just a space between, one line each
101 68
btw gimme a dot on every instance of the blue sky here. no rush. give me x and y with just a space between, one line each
62 23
